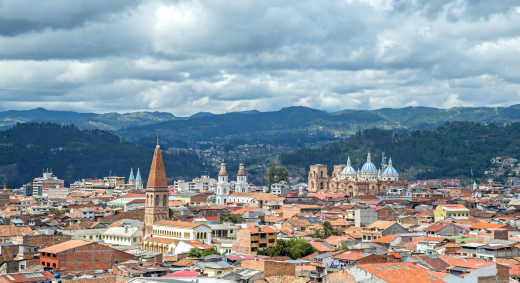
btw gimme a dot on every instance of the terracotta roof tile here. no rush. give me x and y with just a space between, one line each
381 224
161 240
465 261
385 239
61 247
171 223
264 229
398 272
12 231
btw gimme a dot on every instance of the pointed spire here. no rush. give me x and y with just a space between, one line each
131 177
348 161
138 176
223 170
157 177
369 159
390 162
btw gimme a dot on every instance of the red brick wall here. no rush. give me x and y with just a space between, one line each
88 257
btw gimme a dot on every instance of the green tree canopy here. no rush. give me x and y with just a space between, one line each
326 231
275 175
293 248
198 253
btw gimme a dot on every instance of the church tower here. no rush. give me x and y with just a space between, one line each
138 180
223 186
156 205
131 179
242 186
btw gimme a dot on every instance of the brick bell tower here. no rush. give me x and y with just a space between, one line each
156 205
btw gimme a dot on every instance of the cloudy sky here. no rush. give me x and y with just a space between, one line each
219 56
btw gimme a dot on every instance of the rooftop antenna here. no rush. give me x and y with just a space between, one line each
157 144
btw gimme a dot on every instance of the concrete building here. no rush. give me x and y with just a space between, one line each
280 189
250 239
381 228
364 217
47 181
454 211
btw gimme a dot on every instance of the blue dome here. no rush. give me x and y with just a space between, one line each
348 170
368 167
390 171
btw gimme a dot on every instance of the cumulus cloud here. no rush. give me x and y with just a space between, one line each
186 56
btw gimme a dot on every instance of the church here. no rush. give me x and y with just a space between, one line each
367 181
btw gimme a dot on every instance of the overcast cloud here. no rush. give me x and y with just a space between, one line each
219 56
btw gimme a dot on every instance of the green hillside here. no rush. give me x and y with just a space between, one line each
26 149
452 150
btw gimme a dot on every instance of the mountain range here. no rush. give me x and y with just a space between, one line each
292 126
79 145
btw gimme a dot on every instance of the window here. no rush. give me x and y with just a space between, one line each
157 200
164 200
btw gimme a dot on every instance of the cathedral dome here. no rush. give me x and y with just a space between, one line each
390 170
348 170
368 167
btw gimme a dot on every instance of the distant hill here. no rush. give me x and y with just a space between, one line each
452 150
107 121
26 149
291 127
302 126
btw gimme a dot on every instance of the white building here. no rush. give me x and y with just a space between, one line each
281 188
223 186
241 185
123 236
180 230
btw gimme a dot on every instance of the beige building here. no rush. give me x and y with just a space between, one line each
367 181
250 239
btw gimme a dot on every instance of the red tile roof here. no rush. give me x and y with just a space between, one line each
264 229
350 255
487 225
399 272
65 246
320 247
467 262
27 277
385 239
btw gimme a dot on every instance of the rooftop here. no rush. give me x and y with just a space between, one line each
61 247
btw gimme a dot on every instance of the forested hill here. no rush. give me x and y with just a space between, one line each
302 126
26 149
452 150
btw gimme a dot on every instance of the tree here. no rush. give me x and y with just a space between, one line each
228 217
326 231
293 248
275 175
198 253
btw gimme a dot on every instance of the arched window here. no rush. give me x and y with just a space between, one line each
164 200
156 200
